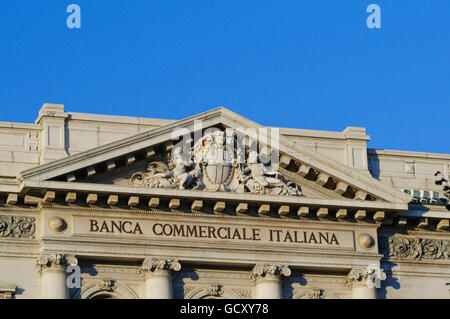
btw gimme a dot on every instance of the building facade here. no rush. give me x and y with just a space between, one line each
215 206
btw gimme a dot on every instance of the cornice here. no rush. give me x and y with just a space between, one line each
218 116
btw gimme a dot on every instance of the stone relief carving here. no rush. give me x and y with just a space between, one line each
55 261
265 270
215 290
112 288
151 265
419 248
316 294
107 285
214 166
17 226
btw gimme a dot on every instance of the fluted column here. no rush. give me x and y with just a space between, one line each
363 282
53 275
268 282
157 274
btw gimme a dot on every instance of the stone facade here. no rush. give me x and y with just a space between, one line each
97 206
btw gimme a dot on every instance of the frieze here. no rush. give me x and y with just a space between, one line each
419 248
225 275
243 293
338 280
17 227
109 269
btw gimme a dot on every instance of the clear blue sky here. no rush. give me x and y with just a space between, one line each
309 64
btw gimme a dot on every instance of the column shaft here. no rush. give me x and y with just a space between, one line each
158 285
268 288
53 284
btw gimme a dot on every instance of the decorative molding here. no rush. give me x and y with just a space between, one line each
312 186
112 288
55 262
243 293
260 271
151 265
419 248
316 294
109 269
17 226
215 290
106 285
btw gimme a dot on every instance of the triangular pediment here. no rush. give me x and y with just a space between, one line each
115 165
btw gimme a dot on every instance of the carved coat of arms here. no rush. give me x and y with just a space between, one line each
213 165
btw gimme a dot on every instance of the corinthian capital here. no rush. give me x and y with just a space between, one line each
266 270
55 262
151 265
369 276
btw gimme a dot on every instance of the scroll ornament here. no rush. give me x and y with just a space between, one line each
419 248
266 270
55 262
367 276
316 294
215 290
151 265
107 285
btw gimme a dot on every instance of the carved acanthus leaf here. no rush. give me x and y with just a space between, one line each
17 226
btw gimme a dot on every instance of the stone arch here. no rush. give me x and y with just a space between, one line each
107 289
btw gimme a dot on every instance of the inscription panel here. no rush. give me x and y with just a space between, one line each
214 232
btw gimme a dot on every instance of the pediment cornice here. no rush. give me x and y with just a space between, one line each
335 177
